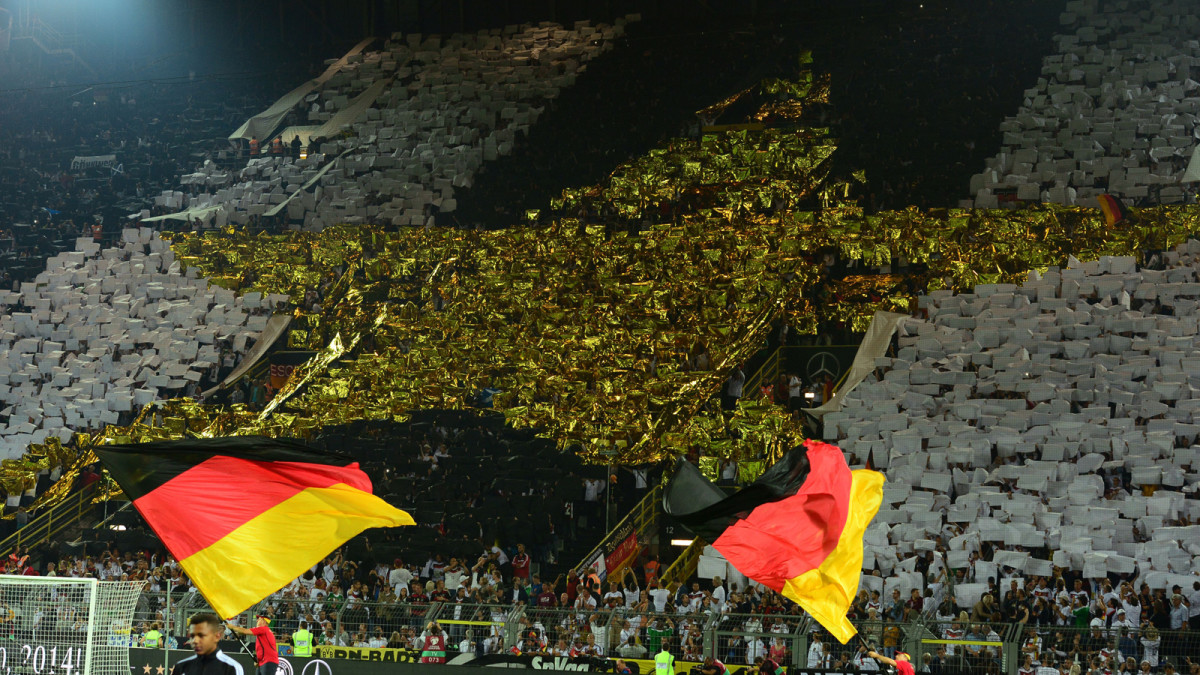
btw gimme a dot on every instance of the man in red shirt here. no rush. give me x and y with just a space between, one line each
520 563
266 654
901 663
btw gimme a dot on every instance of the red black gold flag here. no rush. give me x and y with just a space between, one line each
1112 208
245 515
798 529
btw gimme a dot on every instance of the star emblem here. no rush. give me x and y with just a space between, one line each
146 669
160 670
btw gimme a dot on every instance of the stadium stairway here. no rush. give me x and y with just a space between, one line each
51 42
73 511
621 546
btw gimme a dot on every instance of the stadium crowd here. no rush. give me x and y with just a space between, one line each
1063 620
1069 622
155 131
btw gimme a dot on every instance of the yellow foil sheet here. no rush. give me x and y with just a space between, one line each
590 333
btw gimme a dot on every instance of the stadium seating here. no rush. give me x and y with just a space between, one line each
103 332
441 109
1114 111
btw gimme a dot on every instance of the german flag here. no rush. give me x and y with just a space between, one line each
798 529
1112 208
246 515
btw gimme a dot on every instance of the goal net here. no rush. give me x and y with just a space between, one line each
66 626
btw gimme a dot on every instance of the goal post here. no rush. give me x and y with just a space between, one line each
66 626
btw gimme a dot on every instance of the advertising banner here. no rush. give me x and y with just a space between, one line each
384 654
284 362
534 662
620 549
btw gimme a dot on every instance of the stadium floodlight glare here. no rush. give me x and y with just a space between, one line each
682 542
68 626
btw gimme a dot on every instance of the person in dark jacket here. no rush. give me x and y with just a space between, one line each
204 634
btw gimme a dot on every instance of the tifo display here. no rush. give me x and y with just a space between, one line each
360 419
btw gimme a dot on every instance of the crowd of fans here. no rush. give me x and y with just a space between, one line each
917 137
379 593
965 63
157 132
628 106
1061 622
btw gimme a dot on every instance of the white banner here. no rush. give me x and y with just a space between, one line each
93 162
262 125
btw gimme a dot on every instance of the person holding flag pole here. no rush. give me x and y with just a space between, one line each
902 663
266 654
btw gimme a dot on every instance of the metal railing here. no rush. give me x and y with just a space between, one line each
741 638
624 632
557 630
643 518
342 622
52 41
51 520
685 565
483 629
767 372
971 648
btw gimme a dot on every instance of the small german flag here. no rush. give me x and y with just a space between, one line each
245 515
798 529
1112 208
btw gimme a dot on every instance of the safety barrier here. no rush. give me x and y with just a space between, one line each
742 638
52 520
794 641
614 552
685 565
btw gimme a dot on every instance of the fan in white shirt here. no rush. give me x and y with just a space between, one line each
399 576
586 603
718 592
753 625
865 662
816 653
1121 620
614 598
755 648
658 597
501 556
454 575
633 593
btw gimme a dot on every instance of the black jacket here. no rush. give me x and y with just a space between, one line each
217 663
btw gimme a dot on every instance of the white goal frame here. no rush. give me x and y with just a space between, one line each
110 601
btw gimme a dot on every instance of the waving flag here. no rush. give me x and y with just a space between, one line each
245 515
798 529
1112 208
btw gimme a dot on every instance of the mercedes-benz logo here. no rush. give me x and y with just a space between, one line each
823 364
317 667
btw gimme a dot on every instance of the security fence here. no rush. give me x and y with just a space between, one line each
343 622
793 641
739 639
974 648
